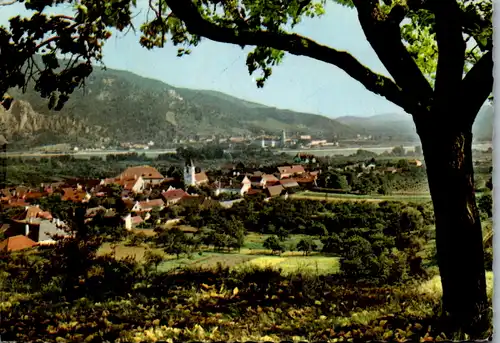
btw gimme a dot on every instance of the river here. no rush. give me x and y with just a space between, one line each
318 152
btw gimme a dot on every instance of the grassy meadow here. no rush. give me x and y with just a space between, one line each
251 255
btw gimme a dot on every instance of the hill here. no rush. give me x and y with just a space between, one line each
400 126
119 106
394 126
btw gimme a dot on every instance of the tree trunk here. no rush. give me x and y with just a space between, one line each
448 157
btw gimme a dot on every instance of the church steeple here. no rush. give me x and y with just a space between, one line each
189 173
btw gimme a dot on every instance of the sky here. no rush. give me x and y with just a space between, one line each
299 83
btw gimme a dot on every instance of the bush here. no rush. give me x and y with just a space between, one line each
361 264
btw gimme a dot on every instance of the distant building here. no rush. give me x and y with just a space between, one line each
191 177
150 175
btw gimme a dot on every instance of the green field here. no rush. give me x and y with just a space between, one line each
417 197
252 254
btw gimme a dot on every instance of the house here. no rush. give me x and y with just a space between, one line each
173 195
33 212
263 181
289 183
306 181
274 191
75 195
289 171
150 175
148 205
16 243
240 188
135 184
131 222
47 230
38 225
88 185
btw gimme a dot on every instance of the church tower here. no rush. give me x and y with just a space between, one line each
189 173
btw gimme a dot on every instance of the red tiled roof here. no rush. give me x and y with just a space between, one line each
307 179
36 212
14 243
295 169
275 190
174 194
16 203
269 178
73 195
126 182
200 177
287 181
151 203
147 172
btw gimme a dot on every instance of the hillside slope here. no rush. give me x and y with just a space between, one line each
119 106
401 126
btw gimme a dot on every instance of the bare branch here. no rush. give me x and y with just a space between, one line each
7 3
294 44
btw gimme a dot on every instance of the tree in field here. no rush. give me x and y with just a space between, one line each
273 243
438 54
306 245
153 259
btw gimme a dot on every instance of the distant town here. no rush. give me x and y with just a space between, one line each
286 140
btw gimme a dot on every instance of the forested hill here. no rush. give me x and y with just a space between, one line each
118 106
401 126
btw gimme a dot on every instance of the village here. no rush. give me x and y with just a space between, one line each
144 189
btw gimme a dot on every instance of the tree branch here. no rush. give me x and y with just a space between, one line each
451 48
477 86
295 44
384 35
7 3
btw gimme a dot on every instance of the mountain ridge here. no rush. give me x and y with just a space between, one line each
118 106
401 125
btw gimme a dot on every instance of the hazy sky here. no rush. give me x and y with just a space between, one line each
299 83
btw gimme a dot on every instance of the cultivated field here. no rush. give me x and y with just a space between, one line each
415 197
